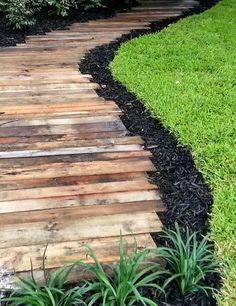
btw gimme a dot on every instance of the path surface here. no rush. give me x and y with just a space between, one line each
70 172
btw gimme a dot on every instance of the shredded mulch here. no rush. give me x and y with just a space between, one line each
187 197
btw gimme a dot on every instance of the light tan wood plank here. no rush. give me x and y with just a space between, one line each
71 180
75 190
58 254
114 125
64 143
61 214
71 230
68 151
79 200
141 164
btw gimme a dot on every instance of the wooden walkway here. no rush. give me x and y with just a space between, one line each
70 172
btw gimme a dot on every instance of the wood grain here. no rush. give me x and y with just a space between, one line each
70 172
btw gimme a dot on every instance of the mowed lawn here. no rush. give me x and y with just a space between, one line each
186 76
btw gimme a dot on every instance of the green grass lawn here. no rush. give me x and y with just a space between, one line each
186 76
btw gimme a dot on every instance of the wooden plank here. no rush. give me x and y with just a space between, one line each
45 87
51 92
20 163
165 8
76 213
39 65
37 71
24 82
120 196
29 49
41 77
37 61
115 125
139 18
71 230
141 164
61 112
11 141
75 190
70 143
105 156
64 144
77 273
166 4
91 41
47 58
14 109
68 36
59 254
102 25
51 99
149 13
34 104
68 151
55 45
59 121
71 180
14 52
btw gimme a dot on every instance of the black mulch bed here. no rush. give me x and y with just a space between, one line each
187 197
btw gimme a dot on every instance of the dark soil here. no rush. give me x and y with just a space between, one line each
187 197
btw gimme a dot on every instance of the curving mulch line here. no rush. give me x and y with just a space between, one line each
187 197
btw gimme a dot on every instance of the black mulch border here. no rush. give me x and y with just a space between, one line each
187 197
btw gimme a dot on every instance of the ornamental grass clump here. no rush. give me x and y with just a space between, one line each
121 284
53 293
189 260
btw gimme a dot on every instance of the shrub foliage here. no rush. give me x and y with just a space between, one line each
21 13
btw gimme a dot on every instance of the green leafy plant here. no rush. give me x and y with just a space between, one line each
120 285
53 293
91 4
61 7
188 259
19 13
